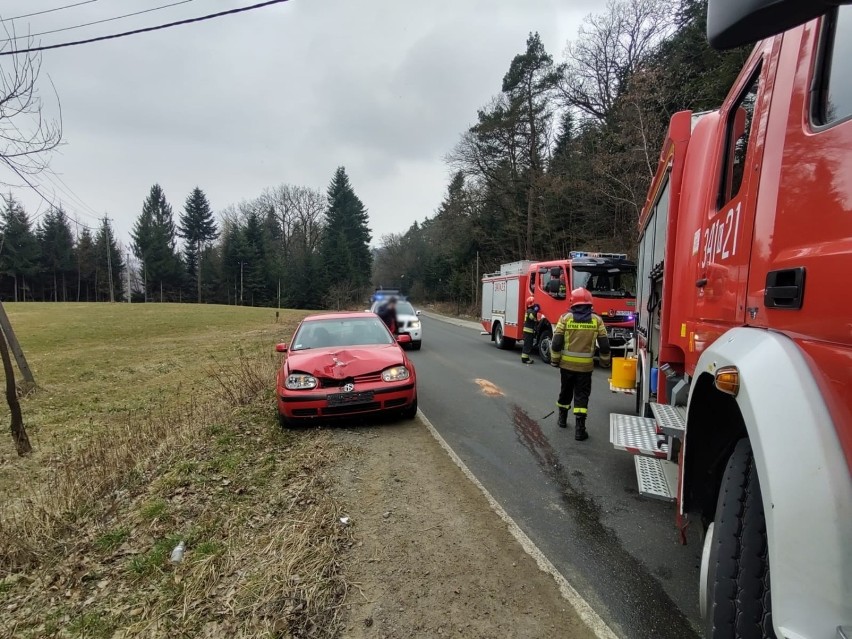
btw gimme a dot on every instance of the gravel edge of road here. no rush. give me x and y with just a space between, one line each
452 320
591 618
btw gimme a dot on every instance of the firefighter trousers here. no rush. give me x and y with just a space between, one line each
577 387
529 338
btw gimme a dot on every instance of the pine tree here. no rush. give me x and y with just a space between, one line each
20 251
154 243
57 250
109 265
346 241
86 265
256 260
197 228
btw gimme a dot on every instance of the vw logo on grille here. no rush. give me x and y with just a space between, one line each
348 388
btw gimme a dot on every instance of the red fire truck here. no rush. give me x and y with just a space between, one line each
610 277
744 394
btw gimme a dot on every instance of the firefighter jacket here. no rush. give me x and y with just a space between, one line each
573 345
531 319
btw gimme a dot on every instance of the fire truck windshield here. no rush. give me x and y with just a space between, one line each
606 282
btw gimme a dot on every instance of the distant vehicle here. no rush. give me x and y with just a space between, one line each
382 294
610 277
344 364
408 320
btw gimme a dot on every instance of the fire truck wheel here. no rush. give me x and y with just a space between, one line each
735 561
544 345
502 342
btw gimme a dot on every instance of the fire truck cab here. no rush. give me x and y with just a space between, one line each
744 395
610 277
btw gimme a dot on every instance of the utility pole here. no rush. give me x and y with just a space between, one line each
17 351
128 277
279 292
476 285
108 243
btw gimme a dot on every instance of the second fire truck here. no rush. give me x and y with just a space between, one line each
610 277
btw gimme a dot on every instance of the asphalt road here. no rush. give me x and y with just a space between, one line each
577 501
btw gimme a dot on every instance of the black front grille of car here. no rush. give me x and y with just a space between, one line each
305 412
391 403
368 378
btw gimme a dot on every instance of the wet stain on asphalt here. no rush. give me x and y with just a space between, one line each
648 610
489 388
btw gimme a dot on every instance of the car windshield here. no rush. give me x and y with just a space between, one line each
603 282
346 331
404 308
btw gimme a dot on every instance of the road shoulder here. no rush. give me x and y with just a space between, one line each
452 320
430 557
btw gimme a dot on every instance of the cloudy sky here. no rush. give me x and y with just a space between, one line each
281 94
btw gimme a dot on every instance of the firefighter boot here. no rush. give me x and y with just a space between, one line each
580 433
562 422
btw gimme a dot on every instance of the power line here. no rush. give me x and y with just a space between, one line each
178 23
40 13
89 24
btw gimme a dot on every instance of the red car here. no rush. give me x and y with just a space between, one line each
344 364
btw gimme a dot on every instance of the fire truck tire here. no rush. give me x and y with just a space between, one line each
736 559
544 340
502 342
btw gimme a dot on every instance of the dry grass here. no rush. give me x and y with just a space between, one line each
84 549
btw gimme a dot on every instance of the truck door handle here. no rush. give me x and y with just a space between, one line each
701 283
785 289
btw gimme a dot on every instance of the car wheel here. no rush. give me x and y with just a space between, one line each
285 422
735 596
416 345
502 342
544 345
410 412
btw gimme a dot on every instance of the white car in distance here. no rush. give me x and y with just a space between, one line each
408 320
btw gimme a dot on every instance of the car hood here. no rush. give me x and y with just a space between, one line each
346 361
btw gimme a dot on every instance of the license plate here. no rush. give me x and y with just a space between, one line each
349 399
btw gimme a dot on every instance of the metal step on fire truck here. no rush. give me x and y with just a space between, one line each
610 277
744 392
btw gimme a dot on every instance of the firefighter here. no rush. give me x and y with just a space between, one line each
530 321
573 351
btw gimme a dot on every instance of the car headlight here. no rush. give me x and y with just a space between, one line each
300 381
395 374
415 324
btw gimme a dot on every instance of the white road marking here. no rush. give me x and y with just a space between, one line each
584 610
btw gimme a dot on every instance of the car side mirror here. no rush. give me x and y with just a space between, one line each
417 313
404 338
282 348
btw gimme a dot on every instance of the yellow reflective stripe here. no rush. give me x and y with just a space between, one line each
581 411
565 406
529 330
577 354
578 360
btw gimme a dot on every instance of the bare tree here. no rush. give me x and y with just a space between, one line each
26 136
19 433
609 47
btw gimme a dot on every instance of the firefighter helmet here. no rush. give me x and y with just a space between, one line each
580 297
530 301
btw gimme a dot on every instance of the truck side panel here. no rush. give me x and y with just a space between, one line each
804 217
487 300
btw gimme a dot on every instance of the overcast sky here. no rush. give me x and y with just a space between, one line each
281 94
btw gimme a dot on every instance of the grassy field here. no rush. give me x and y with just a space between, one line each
154 424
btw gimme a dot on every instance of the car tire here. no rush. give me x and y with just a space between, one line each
544 340
501 341
416 345
285 422
735 563
410 412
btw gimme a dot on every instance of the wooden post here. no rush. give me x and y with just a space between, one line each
6 326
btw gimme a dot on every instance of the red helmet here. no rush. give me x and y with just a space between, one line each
580 297
530 301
